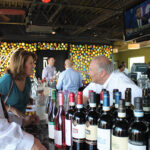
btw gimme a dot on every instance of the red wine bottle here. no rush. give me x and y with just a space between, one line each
138 131
129 112
68 122
60 123
120 129
104 126
100 106
146 109
91 124
88 107
52 111
78 125
117 98
113 106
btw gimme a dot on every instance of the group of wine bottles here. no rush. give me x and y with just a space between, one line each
119 127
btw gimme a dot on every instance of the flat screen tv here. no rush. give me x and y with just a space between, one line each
137 21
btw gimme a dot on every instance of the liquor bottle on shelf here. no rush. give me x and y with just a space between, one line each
68 122
51 115
117 98
120 129
104 126
129 111
91 124
60 123
100 107
145 92
113 106
138 131
78 125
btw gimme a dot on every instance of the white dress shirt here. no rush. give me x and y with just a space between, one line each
115 81
126 71
12 137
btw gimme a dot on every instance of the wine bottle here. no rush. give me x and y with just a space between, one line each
48 101
117 98
68 122
104 126
138 131
120 129
88 107
91 124
113 106
129 112
48 105
145 92
60 123
51 115
78 125
100 107
146 109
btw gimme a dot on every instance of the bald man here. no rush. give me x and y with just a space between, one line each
103 77
69 80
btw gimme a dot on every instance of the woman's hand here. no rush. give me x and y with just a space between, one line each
37 145
35 119
17 112
28 120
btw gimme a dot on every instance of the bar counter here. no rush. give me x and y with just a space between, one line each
40 131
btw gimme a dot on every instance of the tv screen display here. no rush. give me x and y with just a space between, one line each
137 21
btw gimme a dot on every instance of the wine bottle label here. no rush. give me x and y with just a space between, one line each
58 137
146 109
68 132
128 104
78 130
138 114
119 143
136 147
103 139
51 130
91 132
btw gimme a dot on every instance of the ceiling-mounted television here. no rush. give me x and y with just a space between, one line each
137 21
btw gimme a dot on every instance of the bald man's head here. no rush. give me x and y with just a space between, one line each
103 62
68 63
100 68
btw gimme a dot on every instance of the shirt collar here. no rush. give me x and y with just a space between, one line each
68 68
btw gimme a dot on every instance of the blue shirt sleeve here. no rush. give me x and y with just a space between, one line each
5 83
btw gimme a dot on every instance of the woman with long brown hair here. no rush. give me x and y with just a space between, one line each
15 85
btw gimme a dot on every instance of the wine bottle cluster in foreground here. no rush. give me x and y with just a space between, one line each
117 127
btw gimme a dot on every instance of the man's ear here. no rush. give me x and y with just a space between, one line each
103 73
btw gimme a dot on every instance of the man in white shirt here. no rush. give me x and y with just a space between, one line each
13 138
103 77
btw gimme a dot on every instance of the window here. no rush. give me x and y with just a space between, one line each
136 60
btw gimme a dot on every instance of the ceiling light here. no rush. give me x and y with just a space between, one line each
46 1
53 32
